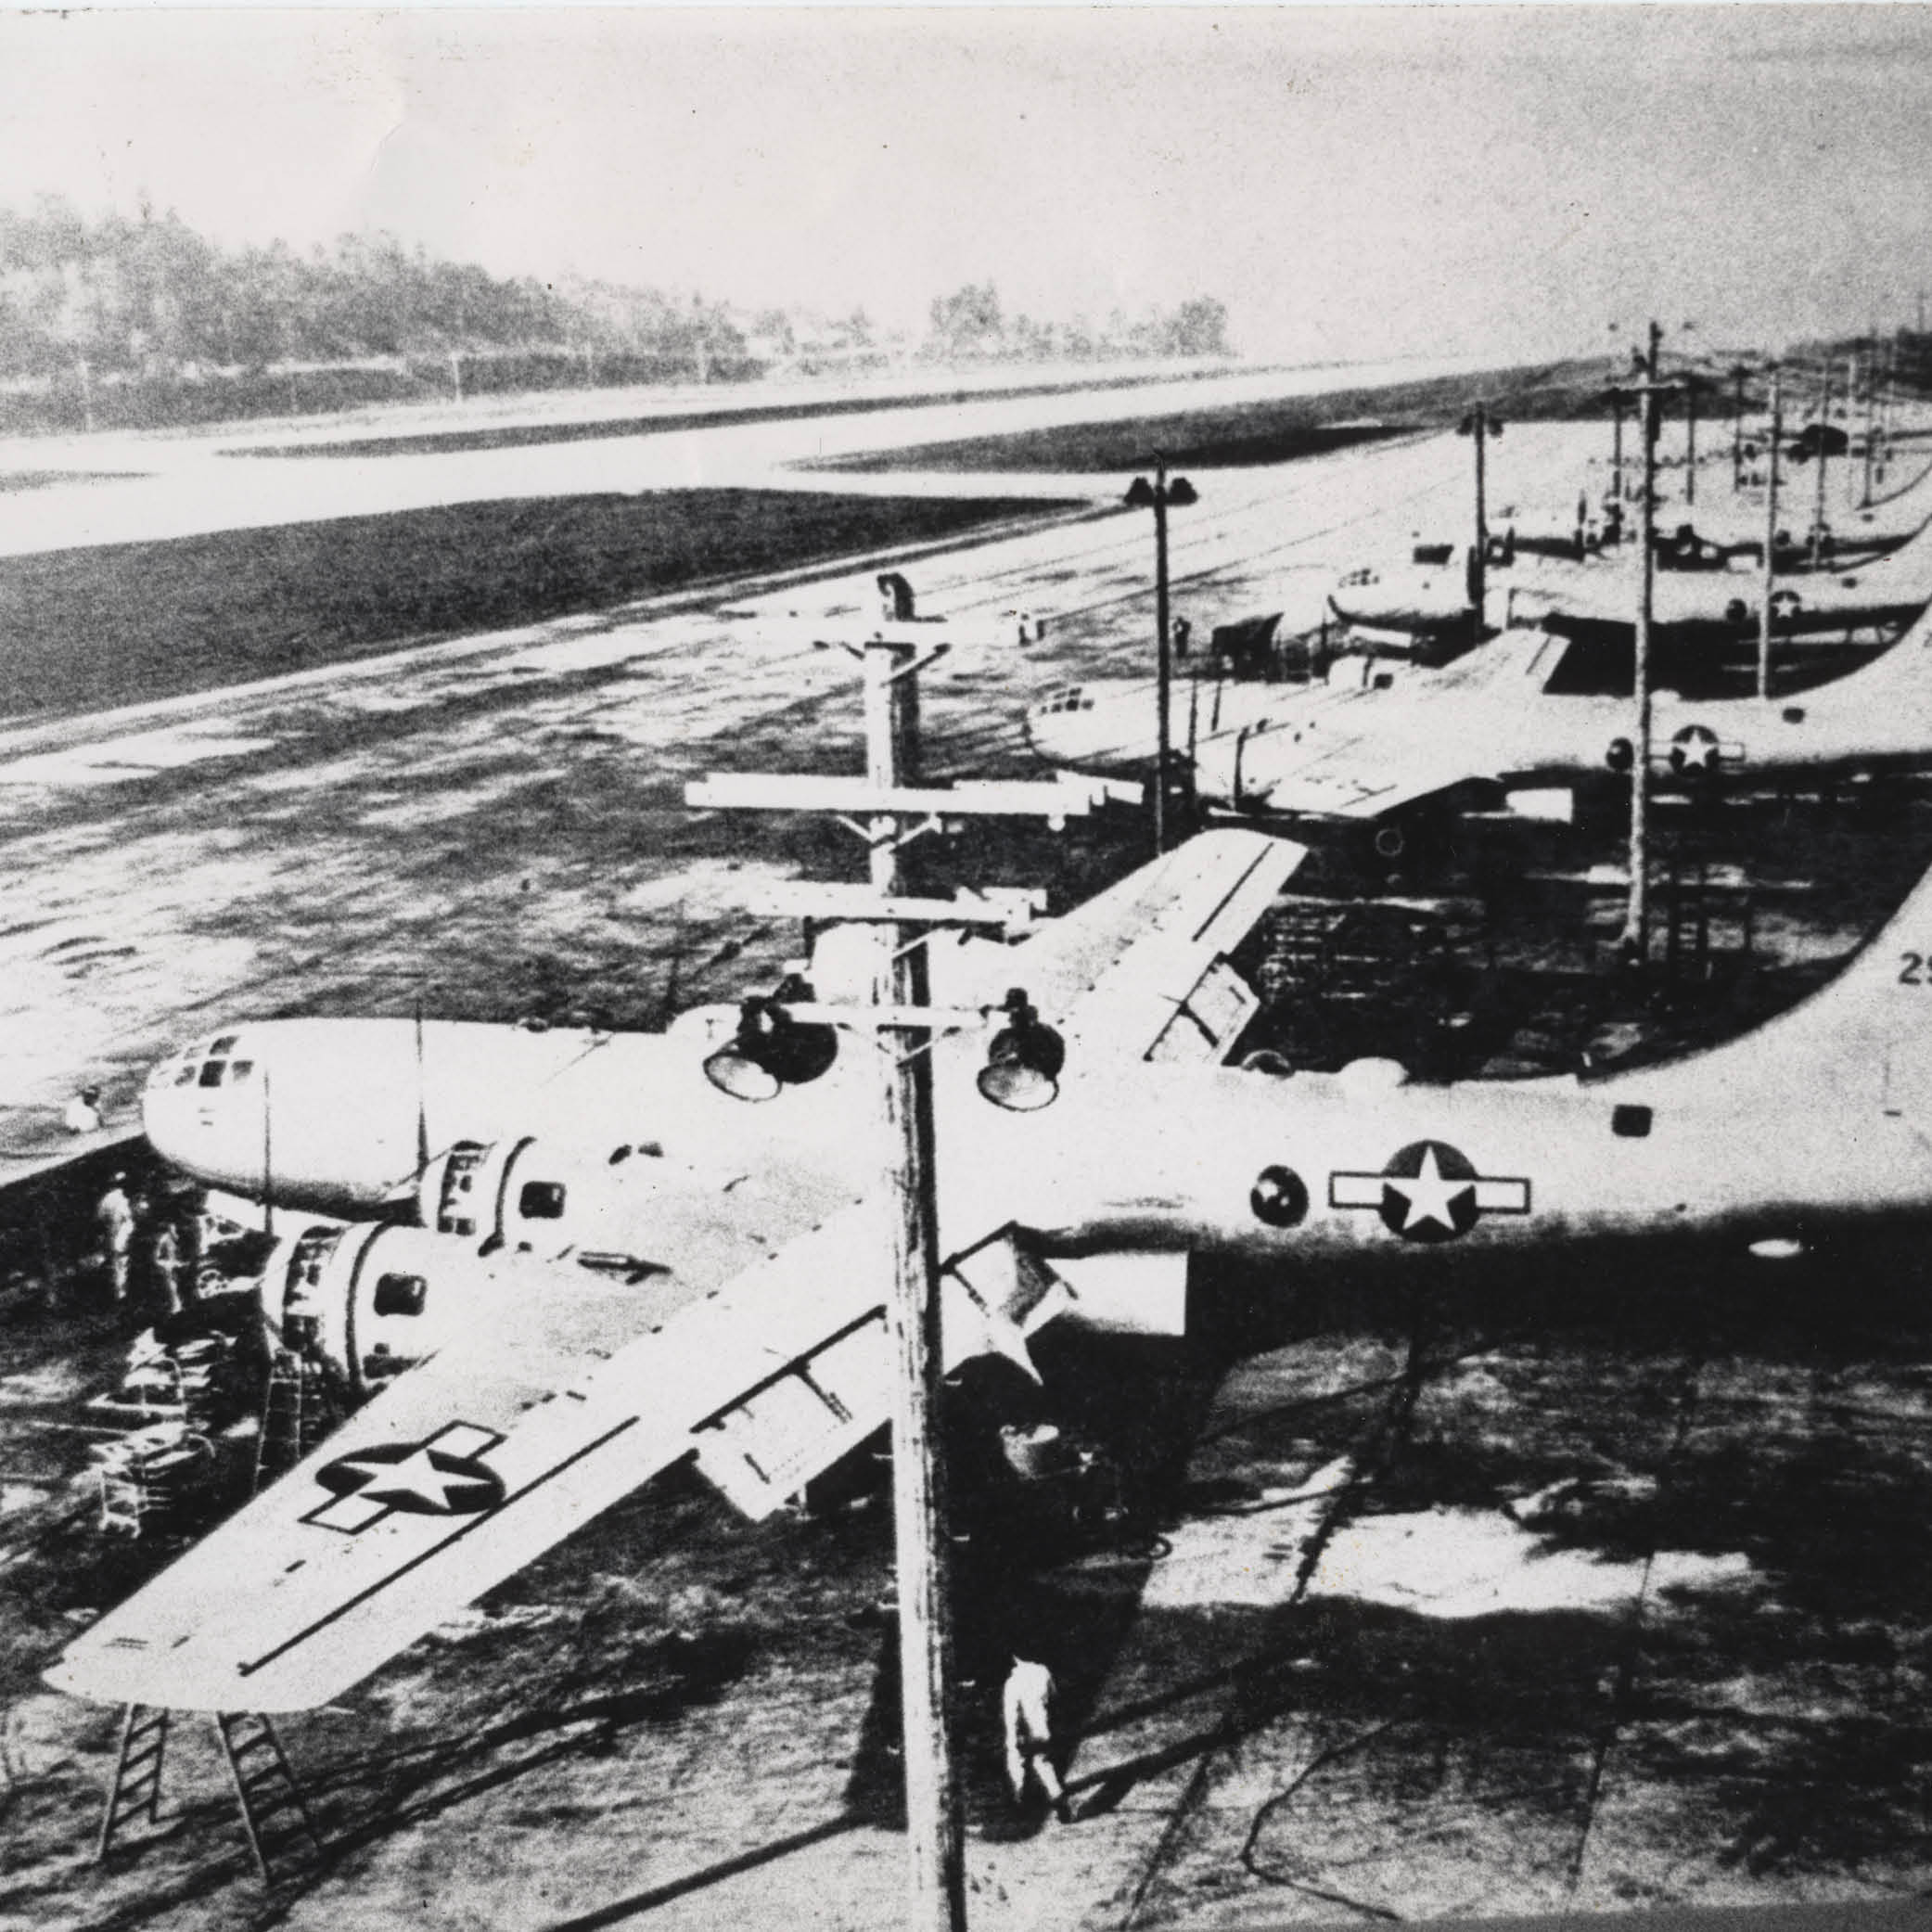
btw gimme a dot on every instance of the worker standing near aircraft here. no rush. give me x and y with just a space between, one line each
115 1218
81 1113
164 1265
1027 1707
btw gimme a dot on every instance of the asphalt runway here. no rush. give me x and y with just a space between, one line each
1574 1598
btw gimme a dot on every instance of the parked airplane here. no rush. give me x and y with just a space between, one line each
732 1306
552 1402
1702 590
1721 606
1719 546
1512 717
1525 714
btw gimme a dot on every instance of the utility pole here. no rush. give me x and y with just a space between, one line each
1479 425
1891 396
1690 432
1161 495
1636 926
1864 502
1617 452
934 1824
1825 417
889 808
1737 429
1771 530
1163 660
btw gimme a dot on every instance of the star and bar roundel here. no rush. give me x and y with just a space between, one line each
443 1475
1430 1191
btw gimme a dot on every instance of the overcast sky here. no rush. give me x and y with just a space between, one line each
1350 182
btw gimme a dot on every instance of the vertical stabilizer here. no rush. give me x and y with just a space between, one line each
1865 1039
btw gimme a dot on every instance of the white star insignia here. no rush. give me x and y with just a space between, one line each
415 1478
1428 1194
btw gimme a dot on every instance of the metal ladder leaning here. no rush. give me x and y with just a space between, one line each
281 1833
137 1773
296 1414
274 1813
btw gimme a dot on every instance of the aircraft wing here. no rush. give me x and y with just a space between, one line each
474 1462
1138 972
1358 776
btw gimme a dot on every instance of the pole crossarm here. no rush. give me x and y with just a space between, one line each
886 1020
1060 799
912 667
1010 908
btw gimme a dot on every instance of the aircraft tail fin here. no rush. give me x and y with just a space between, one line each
1902 673
1866 1035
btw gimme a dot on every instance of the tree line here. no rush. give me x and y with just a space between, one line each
142 320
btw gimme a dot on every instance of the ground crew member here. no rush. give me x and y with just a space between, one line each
83 1112
1027 1706
165 1262
115 1218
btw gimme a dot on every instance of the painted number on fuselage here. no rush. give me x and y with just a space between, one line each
1912 973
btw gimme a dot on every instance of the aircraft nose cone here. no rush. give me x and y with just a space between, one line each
167 1117
1044 739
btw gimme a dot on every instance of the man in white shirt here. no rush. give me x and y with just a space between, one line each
115 1218
1027 1706
83 1112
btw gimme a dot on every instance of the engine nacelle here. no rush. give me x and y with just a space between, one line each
373 1300
530 1197
626 1211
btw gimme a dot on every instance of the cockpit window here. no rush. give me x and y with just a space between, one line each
225 1045
401 1294
185 1074
238 1070
212 1072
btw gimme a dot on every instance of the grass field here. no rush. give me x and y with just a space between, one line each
87 629
1250 433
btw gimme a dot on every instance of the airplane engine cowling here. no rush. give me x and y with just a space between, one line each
372 1300
530 1197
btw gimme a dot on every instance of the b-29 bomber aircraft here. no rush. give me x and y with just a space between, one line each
1704 593
1523 714
741 1324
